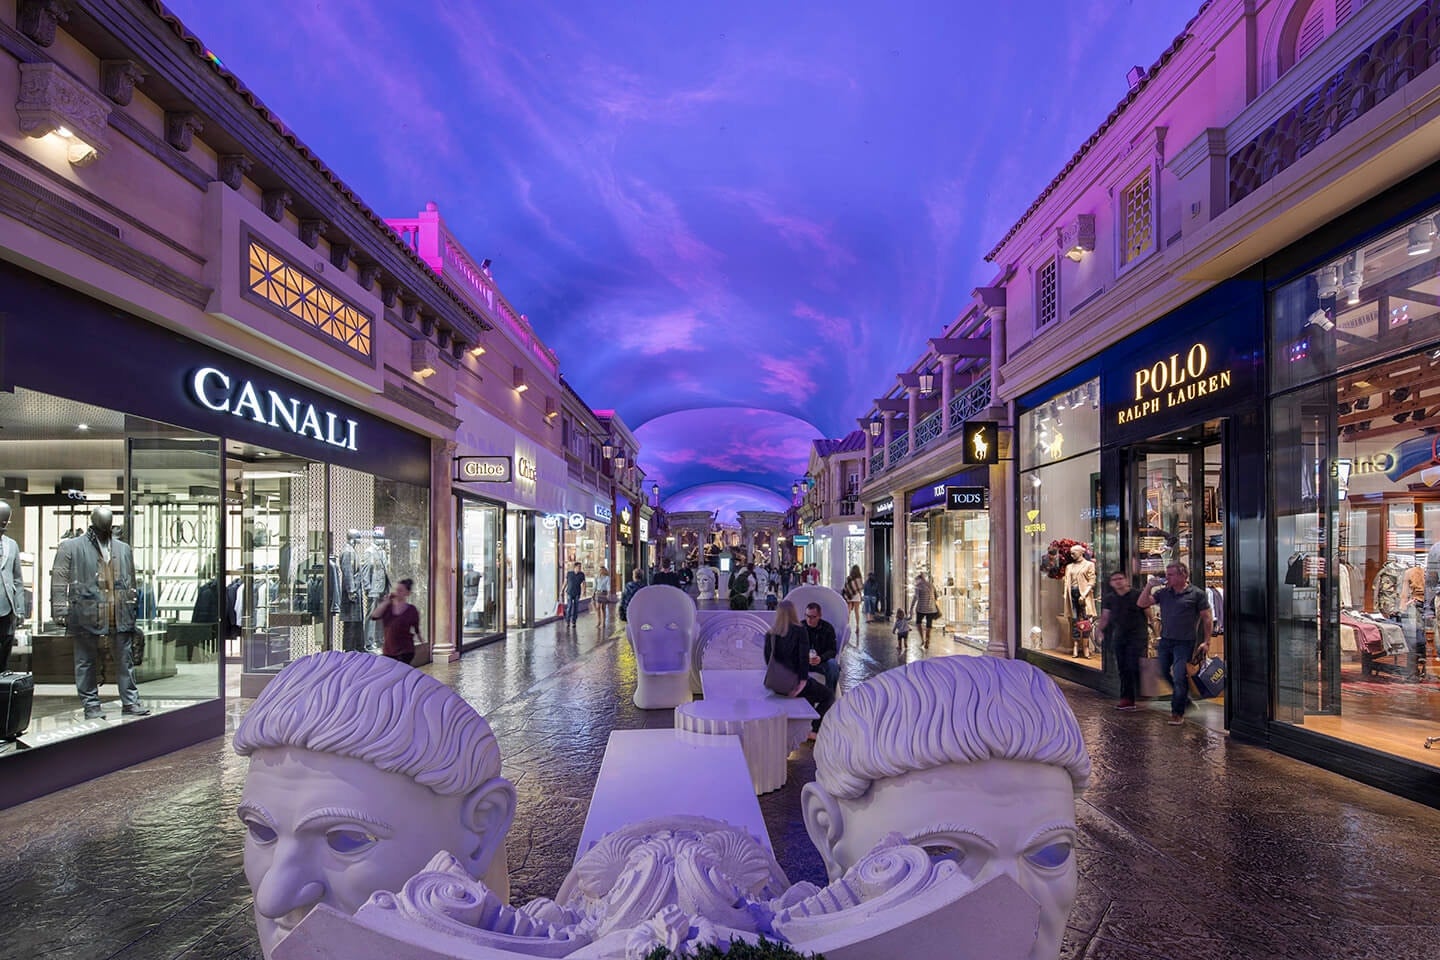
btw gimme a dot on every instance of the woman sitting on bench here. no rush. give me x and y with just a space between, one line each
788 642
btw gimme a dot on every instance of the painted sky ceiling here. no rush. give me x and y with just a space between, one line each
733 222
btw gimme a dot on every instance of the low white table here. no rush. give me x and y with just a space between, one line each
760 725
660 773
750 685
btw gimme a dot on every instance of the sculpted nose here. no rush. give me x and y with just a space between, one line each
289 885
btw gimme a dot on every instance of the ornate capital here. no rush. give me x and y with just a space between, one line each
232 169
118 79
340 255
37 19
180 128
369 273
311 230
274 202
52 101
389 293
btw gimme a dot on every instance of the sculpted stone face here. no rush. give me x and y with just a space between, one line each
333 830
993 817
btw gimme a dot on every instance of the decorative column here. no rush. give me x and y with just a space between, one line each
912 397
444 629
888 434
869 448
899 563
947 391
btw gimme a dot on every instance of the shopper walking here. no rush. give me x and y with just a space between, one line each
926 610
1122 625
1185 622
853 592
603 596
574 584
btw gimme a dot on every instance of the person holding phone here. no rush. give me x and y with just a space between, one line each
400 622
1185 626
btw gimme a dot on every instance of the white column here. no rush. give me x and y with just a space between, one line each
947 391
443 627
912 396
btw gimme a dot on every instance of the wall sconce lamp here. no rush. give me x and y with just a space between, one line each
477 351
422 359
607 448
927 383
520 385
620 462
53 102
1077 237
876 427
552 409
655 492
1420 239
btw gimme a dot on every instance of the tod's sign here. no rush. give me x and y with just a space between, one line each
215 390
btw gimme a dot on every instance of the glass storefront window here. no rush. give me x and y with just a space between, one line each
1356 481
1374 301
953 548
161 486
549 533
1059 499
480 526
590 547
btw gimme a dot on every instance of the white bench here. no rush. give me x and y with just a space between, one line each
750 685
760 725
661 773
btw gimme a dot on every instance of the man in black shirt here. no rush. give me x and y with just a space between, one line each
1185 628
1125 622
823 648
667 575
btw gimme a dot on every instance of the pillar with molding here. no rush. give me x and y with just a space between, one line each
443 626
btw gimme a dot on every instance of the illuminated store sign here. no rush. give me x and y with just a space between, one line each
1173 382
483 469
527 470
965 498
214 390
981 442
1034 526
602 512
882 513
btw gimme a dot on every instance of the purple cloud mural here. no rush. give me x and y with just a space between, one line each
705 206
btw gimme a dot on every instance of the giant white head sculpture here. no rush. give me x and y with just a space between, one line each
976 759
361 770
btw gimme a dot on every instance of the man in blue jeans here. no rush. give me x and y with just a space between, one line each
824 650
1185 625
574 584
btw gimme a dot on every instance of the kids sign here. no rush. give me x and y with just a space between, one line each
1174 381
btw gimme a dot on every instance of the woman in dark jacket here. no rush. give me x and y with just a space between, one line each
631 588
788 642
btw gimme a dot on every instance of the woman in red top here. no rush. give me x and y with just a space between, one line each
401 622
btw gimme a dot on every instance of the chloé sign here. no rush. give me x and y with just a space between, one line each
1173 382
215 390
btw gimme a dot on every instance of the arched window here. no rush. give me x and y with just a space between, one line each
1308 24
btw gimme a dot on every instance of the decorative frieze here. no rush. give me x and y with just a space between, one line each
311 230
232 169
118 79
52 101
181 127
274 202
37 19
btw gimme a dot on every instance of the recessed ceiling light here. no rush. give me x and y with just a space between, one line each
82 426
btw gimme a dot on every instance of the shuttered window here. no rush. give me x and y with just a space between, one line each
1319 22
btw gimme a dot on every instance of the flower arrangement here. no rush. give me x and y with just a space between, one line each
1057 557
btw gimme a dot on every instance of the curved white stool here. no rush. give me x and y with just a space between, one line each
759 724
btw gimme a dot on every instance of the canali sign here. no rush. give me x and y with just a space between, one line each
1173 382
215 390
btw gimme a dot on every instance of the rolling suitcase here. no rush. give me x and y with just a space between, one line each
17 696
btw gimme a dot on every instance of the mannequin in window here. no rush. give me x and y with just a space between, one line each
1080 595
92 594
12 589
352 605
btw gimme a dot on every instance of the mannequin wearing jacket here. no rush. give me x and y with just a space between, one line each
12 589
1080 594
92 595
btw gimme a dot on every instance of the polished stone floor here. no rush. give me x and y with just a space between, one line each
1193 847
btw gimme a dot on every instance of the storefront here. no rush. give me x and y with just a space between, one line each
947 538
882 528
264 521
509 553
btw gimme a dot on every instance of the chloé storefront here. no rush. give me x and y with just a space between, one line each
264 521
1278 435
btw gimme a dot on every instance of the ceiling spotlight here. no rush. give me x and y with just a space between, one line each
1320 319
1352 276
1328 280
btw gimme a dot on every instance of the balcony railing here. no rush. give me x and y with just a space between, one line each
877 462
899 446
929 429
968 404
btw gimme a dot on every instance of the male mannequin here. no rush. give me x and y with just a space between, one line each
92 594
12 589
1080 594
994 788
352 602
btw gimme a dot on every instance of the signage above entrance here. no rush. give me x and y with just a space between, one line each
965 498
934 496
483 469
980 445
215 390
602 512
801 539
1174 381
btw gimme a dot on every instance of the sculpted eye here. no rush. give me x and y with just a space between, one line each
1050 856
259 832
349 841
944 851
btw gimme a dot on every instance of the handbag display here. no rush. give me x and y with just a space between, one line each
780 678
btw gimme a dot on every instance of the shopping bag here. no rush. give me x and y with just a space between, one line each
560 609
1210 678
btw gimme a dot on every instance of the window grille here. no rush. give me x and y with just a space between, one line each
1047 294
295 296
1135 218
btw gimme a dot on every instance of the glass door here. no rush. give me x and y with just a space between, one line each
480 570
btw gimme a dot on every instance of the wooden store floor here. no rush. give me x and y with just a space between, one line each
1384 712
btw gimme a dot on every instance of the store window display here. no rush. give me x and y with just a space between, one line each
1060 518
1356 477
